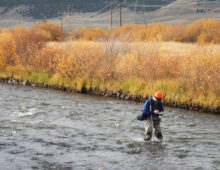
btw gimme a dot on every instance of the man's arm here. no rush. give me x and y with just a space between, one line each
146 109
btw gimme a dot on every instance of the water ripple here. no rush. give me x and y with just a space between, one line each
58 130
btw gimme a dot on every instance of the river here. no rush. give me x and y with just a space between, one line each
49 129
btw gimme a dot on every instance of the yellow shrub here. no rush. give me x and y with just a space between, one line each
202 31
8 55
90 34
55 31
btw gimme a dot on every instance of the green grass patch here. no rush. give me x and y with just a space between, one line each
2 74
39 78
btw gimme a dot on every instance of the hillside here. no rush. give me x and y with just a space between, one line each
186 11
42 9
95 13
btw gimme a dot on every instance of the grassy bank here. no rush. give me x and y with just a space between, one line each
122 90
186 76
186 73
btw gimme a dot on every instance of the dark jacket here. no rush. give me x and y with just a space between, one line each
149 107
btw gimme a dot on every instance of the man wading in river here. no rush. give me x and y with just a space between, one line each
152 110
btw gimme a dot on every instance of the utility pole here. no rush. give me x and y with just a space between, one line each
120 14
61 18
110 5
135 14
61 21
68 17
144 12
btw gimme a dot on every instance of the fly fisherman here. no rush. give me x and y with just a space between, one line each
151 112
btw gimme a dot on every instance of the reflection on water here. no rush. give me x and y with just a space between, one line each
47 129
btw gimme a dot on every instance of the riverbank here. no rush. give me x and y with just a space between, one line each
187 73
107 93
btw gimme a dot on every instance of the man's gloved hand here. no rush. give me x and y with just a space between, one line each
158 112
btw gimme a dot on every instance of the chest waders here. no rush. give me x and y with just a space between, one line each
152 124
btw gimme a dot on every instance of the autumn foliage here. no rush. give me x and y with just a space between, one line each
202 31
132 59
21 45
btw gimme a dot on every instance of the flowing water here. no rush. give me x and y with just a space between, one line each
48 129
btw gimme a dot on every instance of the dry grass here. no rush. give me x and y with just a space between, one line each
201 31
186 73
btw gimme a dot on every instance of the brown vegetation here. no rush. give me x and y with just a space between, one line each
202 31
187 73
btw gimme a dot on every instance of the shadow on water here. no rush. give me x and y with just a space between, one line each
47 129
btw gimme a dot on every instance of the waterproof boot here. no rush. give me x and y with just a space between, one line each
159 136
148 137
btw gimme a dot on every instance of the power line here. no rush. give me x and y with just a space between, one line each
135 14
104 9
135 10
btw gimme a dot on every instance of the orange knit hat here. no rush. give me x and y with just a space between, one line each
159 95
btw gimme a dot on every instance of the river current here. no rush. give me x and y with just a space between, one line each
48 129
